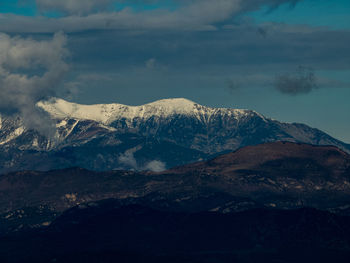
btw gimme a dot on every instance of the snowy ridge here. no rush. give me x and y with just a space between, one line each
107 113
16 133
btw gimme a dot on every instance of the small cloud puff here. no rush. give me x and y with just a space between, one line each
128 160
300 82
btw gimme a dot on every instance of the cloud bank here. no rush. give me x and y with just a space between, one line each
83 15
79 7
30 71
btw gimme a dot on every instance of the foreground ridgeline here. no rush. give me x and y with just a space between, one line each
273 202
153 136
107 231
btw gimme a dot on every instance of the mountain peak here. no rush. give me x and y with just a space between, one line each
174 104
167 133
172 101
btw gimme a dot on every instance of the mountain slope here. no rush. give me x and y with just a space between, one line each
269 177
280 175
114 136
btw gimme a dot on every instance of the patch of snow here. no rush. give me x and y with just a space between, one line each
72 128
107 113
62 123
13 135
35 143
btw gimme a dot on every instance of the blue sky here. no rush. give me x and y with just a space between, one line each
8 6
223 53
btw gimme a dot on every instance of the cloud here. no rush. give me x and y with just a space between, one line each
300 82
79 7
129 162
194 7
155 166
127 159
203 60
30 71
241 51
94 15
151 63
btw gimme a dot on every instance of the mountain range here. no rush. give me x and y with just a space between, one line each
154 136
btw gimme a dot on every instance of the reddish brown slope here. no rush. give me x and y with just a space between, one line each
260 157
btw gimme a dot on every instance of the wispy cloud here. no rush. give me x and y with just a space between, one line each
86 15
301 81
78 7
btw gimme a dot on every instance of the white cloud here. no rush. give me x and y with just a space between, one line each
155 166
30 70
94 15
79 7
128 161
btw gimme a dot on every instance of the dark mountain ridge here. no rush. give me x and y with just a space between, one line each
110 232
279 175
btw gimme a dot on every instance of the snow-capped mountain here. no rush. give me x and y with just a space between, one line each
153 136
